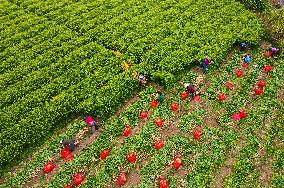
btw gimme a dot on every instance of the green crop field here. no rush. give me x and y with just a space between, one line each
62 58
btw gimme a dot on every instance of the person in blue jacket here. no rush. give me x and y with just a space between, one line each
243 46
247 58
204 65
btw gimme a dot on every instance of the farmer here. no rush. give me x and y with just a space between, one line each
205 63
91 123
160 96
142 79
243 46
190 89
71 144
247 58
274 51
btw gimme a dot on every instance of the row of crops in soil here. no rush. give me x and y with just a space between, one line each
237 118
57 56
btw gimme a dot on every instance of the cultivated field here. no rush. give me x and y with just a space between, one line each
62 58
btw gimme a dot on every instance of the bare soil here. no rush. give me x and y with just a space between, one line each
227 168
133 179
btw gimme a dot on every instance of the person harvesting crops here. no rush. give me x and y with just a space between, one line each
190 89
243 46
71 144
247 58
274 51
204 65
91 123
142 79
160 97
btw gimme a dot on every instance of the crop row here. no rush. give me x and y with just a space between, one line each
141 143
127 116
61 70
77 98
112 129
202 172
42 156
28 50
205 165
163 42
43 61
106 33
54 87
23 27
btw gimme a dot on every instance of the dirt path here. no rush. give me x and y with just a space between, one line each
227 168
264 167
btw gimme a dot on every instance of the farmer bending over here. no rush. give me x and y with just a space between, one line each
247 58
204 65
190 89
243 46
142 79
160 96
91 123
274 51
71 144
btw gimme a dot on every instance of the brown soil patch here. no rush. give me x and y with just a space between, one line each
276 3
278 142
181 172
197 70
263 166
280 94
264 45
170 130
210 118
266 173
227 168
133 179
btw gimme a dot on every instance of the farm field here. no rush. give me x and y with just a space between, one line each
230 153
62 58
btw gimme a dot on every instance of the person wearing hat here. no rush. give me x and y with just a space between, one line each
190 89
142 79
71 144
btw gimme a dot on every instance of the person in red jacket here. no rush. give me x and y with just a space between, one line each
91 123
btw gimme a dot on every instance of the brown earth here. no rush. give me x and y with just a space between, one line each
227 168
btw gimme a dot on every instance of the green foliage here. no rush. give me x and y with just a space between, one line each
56 59
275 21
43 155
257 5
